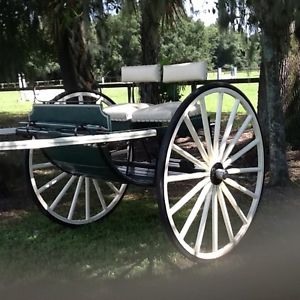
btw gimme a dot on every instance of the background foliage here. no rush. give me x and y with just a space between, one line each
114 41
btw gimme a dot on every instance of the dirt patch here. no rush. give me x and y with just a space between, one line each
293 158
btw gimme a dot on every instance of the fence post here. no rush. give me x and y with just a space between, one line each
219 73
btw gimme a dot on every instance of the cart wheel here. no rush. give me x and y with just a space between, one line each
81 97
67 198
210 171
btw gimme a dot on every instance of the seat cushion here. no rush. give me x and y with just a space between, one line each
161 112
156 113
144 73
185 72
124 112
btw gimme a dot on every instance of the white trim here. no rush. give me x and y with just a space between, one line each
8 131
77 140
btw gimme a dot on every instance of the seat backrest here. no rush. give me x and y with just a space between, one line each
185 72
145 73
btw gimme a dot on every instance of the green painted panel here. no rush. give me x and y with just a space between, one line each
70 114
82 160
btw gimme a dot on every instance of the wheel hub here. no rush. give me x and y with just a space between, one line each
218 174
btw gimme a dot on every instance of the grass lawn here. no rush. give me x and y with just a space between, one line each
9 103
130 243
12 110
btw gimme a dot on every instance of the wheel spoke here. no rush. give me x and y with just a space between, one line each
196 138
233 203
215 229
87 198
225 215
99 194
62 192
118 153
187 197
41 166
186 176
112 187
75 198
202 225
240 188
195 211
240 153
218 123
189 157
232 171
52 182
206 127
228 127
236 137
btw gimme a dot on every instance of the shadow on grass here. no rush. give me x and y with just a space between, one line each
8 119
130 243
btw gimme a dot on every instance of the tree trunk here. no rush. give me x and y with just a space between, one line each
291 101
150 42
75 59
273 59
262 108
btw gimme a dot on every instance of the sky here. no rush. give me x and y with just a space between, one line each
203 9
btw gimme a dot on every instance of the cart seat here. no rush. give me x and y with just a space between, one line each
156 113
124 112
148 73
144 112
152 73
161 112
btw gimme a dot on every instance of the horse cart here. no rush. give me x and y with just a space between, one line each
203 155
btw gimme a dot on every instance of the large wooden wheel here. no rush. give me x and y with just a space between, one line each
68 197
210 171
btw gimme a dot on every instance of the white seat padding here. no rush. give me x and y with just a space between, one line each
124 112
160 113
185 72
145 73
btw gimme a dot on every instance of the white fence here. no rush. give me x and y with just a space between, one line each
38 94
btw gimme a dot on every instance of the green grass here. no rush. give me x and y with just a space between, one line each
10 103
119 95
130 243
12 110
249 89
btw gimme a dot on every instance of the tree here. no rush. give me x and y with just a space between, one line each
186 41
119 45
68 23
21 38
155 13
235 48
291 101
274 19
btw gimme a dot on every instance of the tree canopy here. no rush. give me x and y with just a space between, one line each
112 39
